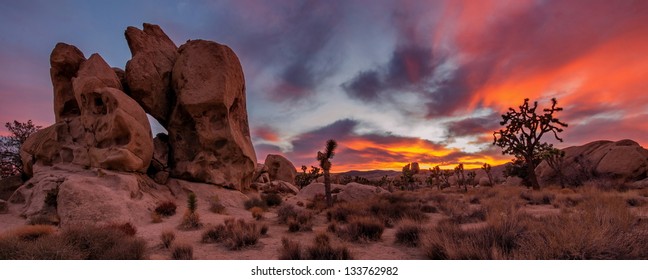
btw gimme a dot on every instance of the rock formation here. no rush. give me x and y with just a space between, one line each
148 73
99 125
208 128
89 166
623 159
280 168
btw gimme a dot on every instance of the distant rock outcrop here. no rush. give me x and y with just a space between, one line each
280 168
624 159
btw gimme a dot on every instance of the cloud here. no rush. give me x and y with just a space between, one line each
473 126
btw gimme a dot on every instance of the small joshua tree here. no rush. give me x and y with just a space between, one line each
305 178
325 163
523 132
487 168
461 178
409 171
555 158
470 180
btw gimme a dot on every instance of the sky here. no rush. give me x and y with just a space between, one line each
392 81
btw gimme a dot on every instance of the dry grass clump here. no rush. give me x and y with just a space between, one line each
44 219
635 201
190 221
74 243
167 238
409 234
272 199
257 212
30 233
156 218
215 205
321 249
297 220
343 211
460 213
395 207
255 202
182 252
166 208
264 229
302 222
600 227
235 234
361 229
538 198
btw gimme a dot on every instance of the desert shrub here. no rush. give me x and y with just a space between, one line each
272 199
235 234
323 250
538 198
460 213
290 250
343 212
215 205
167 238
190 221
127 228
475 200
264 229
81 242
30 233
362 229
101 243
166 208
408 234
394 209
284 213
182 252
257 213
192 202
302 222
255 202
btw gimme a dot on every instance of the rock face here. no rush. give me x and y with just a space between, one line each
208 129
110 130
280 168
148 73
65 61
623 159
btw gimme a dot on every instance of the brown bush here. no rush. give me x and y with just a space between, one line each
264 229
156 218
538 198
255 202
29 233
321 249
182 252
166 208
409 234
362 229
272 199
235 234
190 221
284 213
127 228
167 238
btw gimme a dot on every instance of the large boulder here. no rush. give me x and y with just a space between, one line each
74 195
148 73
280 168
623 159
208 129
65 61
110 130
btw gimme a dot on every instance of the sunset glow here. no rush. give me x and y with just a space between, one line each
393 82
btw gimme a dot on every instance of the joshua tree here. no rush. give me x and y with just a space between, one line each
409 171
471 178
461 179
325 163
555 158
10 162
523 132
487 168
305 178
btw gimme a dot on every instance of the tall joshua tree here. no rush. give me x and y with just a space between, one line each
325 163
523 132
